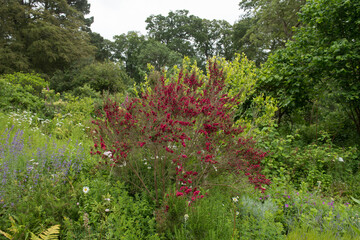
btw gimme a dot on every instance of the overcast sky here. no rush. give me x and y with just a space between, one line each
115 17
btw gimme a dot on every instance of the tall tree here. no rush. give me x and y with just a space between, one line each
126 50
84 7
135 51
271 23
12 20
173 30
104 47
158 55
43 35
211 38
192 36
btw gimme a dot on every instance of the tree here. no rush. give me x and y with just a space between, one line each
212 38
271 23
324 56
158 55
242 42
126 50
99 76
105 76
104 47
191 36
84 7
173 30
41 35
12 54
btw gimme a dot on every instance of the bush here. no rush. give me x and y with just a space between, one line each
31 82
180 132
335 168
15 96
107 76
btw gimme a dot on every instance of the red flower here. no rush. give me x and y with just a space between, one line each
196 193
178 194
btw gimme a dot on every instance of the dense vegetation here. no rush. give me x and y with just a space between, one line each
198 130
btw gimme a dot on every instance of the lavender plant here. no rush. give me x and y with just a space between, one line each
36 178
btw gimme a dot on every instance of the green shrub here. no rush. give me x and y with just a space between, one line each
323 162
32 82
15 96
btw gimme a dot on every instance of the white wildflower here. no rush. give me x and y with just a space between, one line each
86 189
108 154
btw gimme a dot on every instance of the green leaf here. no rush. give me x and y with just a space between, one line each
355 200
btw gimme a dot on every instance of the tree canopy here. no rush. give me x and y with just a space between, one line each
42 35
324 55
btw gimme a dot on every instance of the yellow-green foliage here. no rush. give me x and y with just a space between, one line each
32 82
240 79
51 233
73 116
8 236
80 108
262 121
240 76
15 228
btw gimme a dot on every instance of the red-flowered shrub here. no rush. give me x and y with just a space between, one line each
184 128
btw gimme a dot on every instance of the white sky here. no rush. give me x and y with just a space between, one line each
115 17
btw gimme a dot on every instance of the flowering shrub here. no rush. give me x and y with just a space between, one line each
184 128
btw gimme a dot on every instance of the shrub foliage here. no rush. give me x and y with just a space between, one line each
182 131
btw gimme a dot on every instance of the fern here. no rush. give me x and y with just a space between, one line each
51 233
6 235
15 229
